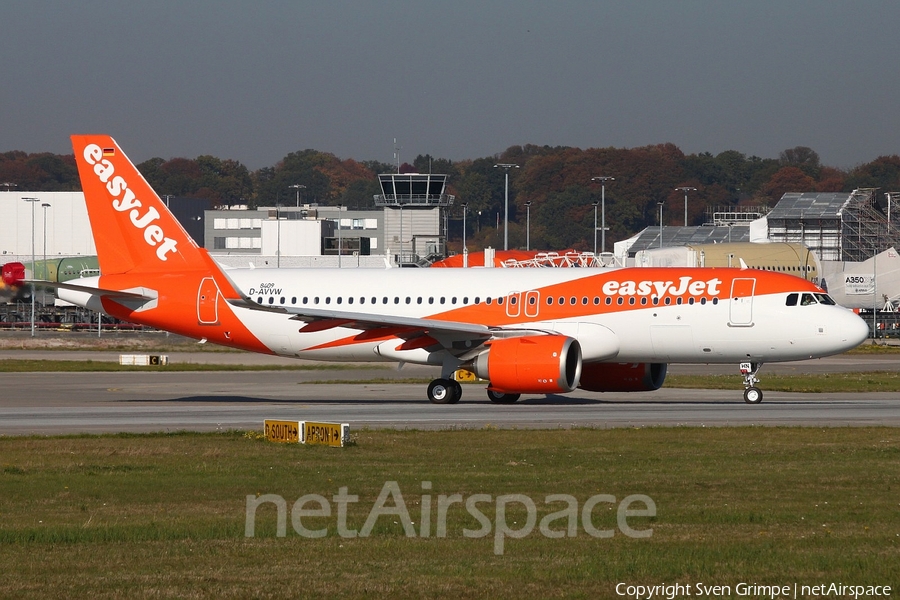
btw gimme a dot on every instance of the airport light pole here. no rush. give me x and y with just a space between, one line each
340 249
45 206
33 202
602 180
465 207
661 203
686 190
528 225
278 235
298 187
507 167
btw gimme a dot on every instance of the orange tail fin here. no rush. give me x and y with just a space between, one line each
133 230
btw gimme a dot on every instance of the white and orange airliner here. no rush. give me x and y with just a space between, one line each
525 331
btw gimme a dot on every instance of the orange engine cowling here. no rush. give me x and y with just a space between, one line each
541 364
622 377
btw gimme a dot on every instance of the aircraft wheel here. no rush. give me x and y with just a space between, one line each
443 391
457 391
501 398
753 395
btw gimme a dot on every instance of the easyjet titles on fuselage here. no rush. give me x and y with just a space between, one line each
153 234
684 285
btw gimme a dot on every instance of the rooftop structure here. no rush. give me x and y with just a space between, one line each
837 226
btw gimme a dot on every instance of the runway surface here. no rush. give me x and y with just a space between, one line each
58 403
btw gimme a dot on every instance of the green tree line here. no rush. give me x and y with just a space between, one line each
555 180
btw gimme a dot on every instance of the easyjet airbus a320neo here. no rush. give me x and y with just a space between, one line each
525 331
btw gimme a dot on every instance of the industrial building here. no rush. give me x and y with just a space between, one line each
408 228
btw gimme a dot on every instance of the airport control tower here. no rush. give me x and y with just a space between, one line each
415 217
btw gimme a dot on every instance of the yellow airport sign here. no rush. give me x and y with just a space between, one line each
328 434
283 431
464 375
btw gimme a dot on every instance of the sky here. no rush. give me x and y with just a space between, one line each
254 81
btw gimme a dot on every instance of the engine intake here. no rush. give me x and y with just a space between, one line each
623 377
542 364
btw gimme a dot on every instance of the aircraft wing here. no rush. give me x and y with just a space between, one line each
432 334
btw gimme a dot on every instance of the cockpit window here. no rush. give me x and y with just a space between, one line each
792 300
807 299
825 299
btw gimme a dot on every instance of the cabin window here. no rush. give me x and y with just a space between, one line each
327 299
271 299
678 300
431 300
465 300
532 300
259 300
584 300
644 301
631 300
655 300
339 299
477 300
549 300
408 300
573 300
500 300
702 301
715 301
668 301
488 300
513 300
691 301
316 300
294 300
282 300
305 299
596 300
620 300
608 300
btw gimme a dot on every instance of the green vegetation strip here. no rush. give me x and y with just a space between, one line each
857 382
74 366
165 515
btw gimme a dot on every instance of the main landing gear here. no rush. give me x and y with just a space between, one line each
752 394
501 398
448 391
444 391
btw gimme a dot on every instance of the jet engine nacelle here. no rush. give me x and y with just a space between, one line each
622 377
12 274
541 364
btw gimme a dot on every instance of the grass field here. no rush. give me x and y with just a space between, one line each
163 516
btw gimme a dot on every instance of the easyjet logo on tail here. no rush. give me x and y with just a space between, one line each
117 186
684 285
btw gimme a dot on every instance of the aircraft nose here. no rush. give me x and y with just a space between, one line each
855 331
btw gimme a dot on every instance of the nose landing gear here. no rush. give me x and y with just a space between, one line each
752 394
